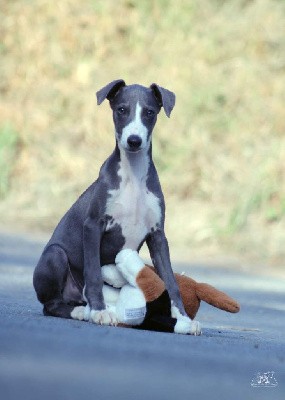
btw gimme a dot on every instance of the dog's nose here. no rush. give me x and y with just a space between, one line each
134 141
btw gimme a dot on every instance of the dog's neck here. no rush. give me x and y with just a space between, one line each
134 166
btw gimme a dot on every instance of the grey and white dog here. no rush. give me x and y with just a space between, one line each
123 208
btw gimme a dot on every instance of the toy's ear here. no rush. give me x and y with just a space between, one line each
187 288
216 298
109 91
165 98
150 284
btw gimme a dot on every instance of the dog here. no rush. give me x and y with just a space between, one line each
123 208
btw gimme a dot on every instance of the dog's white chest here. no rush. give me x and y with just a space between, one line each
135 209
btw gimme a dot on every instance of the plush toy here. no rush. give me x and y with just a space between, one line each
137 296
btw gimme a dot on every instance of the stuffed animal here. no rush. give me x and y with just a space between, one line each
137 296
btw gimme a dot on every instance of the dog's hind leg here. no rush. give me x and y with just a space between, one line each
49 280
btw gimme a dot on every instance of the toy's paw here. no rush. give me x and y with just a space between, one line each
129 264
185 326
81 313
113 276
103 317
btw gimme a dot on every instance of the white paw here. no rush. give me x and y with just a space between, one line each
129 264
103 317
81 313
113 276
185 326
196 328
78 313
131 306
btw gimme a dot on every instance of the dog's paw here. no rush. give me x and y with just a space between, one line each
81 313
185 326
103 317
195 328
78 313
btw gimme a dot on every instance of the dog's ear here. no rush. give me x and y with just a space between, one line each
109 91
165 98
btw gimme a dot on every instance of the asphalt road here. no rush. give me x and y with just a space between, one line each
50 358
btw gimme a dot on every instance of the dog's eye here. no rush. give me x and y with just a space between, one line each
121 110
150 113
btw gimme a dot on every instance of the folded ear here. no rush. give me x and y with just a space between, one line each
165 98
109 91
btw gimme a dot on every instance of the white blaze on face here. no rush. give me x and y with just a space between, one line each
136 127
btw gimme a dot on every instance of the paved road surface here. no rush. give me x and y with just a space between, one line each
49 358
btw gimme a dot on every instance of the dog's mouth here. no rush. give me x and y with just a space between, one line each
133 144
132 150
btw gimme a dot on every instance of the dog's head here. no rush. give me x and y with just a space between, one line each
135 110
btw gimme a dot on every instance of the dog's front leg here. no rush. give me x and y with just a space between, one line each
95 310
159 253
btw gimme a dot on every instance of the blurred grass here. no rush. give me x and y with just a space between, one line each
8 144
220 156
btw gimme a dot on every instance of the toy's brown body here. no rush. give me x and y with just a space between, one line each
192 292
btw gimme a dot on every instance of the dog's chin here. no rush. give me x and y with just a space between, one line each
134 151
130 150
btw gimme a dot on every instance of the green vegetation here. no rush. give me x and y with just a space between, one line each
8 144
221 154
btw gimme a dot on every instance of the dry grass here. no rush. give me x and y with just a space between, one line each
220 156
